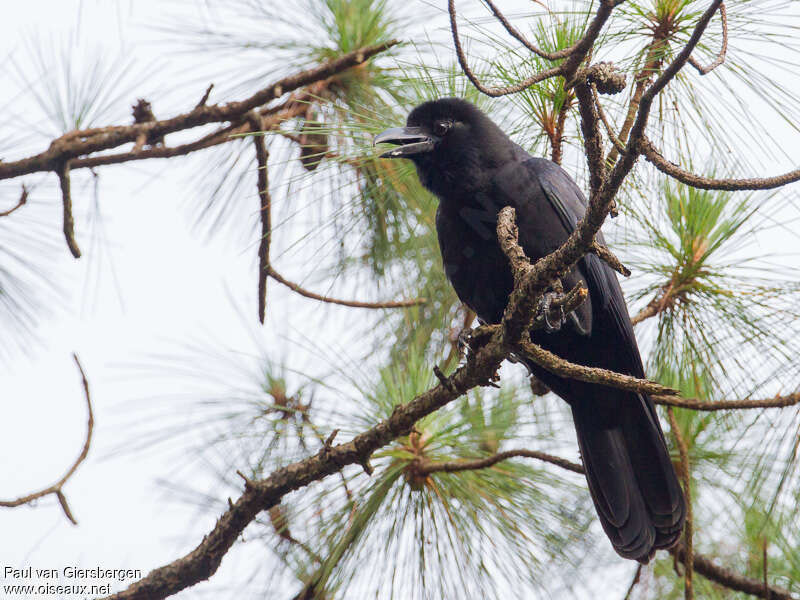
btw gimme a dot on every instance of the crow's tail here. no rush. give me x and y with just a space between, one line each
631 478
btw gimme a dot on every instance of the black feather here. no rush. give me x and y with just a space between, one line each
476 170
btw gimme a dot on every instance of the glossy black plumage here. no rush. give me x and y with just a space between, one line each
476 170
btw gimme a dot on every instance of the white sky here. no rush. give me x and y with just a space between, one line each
172 287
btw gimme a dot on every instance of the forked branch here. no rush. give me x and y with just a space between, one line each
57 488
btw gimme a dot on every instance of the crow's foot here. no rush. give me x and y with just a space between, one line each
544 312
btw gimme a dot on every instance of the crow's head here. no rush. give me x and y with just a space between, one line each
448 139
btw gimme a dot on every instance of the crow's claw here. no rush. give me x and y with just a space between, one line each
463 340
544 310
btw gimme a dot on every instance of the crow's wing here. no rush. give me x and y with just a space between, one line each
628 469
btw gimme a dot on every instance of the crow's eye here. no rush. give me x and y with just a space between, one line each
440 128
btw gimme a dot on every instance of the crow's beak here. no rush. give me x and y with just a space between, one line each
412 140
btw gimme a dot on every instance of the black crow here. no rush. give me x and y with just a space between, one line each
476 170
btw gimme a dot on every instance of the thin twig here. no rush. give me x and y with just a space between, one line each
204 99
652 63
561 306
557 140
454 466
62 170
353 303
688 534
23 198
635 580
558 54
492 91
620 147
57 488
723 50
265 213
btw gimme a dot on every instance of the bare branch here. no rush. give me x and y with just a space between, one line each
23 198
353 303
454 466
618 145
723 50
584 45
575 54
204 99
265 213
706 183
637 131
706 567
568 370
610 258
704 405
62 170
56 488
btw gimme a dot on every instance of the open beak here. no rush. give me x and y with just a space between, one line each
412 140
